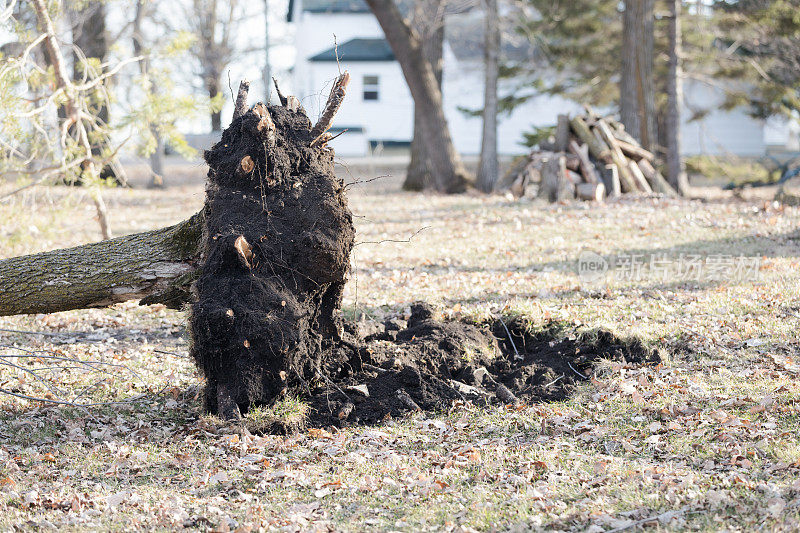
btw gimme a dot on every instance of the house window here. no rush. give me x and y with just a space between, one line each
370 88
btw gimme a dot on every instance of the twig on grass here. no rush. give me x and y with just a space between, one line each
420 230
45 376
370 180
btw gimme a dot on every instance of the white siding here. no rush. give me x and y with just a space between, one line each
463 88
317 32
719 132
390 118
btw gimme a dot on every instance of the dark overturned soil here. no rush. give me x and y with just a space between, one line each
384 371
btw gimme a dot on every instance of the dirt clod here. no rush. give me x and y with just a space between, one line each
430 364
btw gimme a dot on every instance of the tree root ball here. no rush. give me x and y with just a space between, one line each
278 237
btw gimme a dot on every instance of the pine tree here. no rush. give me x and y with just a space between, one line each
760 48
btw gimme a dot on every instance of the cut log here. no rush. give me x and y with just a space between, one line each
586 166
597 148
594 192
635 151
518 187
626 179
562 133
611 175
556 185
659 183
565 190
591 114
621 134
573 163
641 182
156 266
574 177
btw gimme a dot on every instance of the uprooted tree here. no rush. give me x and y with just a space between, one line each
264 262
263 267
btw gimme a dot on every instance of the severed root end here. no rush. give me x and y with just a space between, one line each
333 104
245 251
240 108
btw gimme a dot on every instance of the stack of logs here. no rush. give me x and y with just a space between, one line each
589 157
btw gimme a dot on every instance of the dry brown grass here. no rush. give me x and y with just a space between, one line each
709 440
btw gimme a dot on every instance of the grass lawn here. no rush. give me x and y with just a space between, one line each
708 440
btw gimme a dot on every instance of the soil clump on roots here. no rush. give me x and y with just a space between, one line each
278 236
266 328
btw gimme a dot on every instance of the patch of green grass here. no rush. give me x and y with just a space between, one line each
288 413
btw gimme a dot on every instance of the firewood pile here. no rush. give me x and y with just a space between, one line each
589 158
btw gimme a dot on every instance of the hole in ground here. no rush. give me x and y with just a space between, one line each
383 371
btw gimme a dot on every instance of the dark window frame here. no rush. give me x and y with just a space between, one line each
370 88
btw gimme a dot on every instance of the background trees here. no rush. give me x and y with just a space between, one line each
428 21
487 167
629 57
760 49
215 24
448 170
62 116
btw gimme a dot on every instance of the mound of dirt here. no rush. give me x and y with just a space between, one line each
427 364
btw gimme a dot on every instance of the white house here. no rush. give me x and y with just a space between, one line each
336 35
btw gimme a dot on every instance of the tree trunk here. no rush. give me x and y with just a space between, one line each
157 162
449 173
89 36
81 125
157 266
487 167
628 108
90 41
676 172
646 87
157 157
637 90
419 174
213 88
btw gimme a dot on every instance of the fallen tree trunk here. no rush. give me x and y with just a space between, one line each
156 266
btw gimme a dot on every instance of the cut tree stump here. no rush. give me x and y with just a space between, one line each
562 133
612 177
